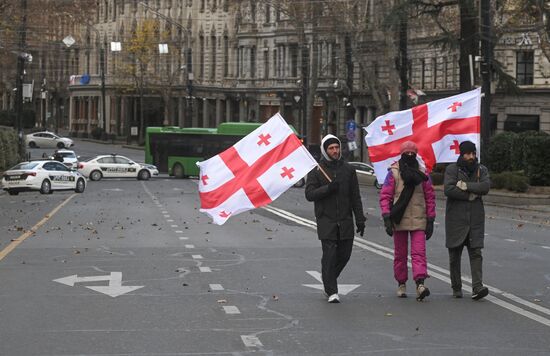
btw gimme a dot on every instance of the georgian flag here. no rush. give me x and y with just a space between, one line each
254 172
437 128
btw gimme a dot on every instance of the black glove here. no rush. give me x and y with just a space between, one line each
388 224
361 228
429 228
333 186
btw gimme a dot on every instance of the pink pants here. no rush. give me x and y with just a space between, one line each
418 255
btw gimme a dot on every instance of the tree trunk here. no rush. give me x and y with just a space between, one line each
468 41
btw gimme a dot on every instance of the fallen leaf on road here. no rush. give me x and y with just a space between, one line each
536 300
388 314
275 298
76 252
222 301
520 226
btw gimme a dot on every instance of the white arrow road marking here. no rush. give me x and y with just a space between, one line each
343 289
114 289
112 189
216 287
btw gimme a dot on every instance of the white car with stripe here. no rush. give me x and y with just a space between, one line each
44 176
116 166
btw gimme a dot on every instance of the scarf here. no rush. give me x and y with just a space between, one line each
412 176
468 167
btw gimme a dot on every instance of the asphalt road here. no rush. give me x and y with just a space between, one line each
153 276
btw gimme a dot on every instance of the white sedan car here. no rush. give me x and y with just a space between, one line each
115 166
47 139
70 159
44 176
365 174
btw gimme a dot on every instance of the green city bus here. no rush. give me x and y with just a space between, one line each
177 150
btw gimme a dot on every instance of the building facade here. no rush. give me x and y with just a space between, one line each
246 60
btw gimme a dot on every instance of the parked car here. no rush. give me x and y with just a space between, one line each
116 166
47 139
67 157
365 174
44 176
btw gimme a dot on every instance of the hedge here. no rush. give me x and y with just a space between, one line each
8 148
527 151
514 181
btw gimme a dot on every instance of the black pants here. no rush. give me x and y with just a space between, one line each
336 254
476 262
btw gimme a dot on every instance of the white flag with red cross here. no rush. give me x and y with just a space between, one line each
437 128
254 172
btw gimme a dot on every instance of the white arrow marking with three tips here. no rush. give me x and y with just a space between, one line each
343 289
114 289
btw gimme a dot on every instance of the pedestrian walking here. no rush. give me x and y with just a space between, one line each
465 182
334 189
407 202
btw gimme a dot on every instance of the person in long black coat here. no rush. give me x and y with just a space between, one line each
337 200
465 183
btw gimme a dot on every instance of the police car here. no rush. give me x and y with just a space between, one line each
44 176
115 166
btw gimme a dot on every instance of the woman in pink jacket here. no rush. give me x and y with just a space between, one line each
407 201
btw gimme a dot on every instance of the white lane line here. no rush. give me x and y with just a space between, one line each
546 247
197 257
184 238
166 216
510 240
189 246
178 232
205 269
164 212
169 220
231 309
388 253
251 341
216 287
174 226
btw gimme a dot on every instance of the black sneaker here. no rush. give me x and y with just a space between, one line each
457 293
480 293
421 292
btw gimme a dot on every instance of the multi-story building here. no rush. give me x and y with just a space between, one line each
246 60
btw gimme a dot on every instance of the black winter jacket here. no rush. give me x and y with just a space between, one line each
333 210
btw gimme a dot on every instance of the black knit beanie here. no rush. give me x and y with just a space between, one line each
467 147
329 142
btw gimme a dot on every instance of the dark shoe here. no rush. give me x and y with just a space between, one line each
480 293
421 292
457 293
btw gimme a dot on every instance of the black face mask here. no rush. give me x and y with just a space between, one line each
408 160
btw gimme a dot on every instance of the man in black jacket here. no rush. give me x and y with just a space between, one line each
334 189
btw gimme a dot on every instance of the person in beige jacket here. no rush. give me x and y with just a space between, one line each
407 201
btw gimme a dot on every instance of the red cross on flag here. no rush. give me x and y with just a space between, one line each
436 127
254 172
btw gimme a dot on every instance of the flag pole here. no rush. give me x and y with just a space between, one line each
324 173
